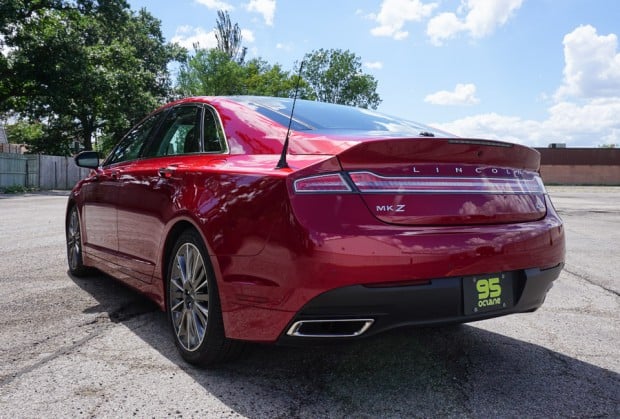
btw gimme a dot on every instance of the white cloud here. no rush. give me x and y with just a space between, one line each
374 65
215 4
590 124
587 103
267 8
496 127
585 108
288 46
592 65
187 36
595 118
247 35
477 17
443 26
395 13
463 94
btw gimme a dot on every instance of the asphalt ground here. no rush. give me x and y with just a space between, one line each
91 347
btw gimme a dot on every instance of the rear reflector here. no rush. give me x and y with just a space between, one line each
373 183
333 182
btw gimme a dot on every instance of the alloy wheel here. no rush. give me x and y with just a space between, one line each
189 297
74 242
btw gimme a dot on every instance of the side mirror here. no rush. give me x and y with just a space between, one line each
88 159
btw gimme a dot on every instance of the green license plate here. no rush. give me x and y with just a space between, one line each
484 293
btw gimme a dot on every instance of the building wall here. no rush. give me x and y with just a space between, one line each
580 166
12 148
580 175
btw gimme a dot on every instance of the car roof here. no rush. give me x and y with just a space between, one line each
326 118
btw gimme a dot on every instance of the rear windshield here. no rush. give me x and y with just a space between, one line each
310 115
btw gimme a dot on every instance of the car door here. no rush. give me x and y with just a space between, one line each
151 187
101 189
99 211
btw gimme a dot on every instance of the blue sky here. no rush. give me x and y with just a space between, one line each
530 71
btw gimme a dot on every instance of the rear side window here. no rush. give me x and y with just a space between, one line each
179 133
213 135
131 145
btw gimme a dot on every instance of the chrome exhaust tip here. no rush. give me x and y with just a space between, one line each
338 328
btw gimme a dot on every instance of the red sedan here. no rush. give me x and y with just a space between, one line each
362 223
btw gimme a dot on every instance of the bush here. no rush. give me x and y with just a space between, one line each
16 189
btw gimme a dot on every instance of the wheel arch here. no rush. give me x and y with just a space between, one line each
81 267
71 202
173 233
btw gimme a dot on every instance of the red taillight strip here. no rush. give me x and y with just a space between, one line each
373 183
332 182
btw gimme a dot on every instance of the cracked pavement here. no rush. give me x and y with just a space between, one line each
91 347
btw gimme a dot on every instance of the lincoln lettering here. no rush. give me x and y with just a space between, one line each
451 170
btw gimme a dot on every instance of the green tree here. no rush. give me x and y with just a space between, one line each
224 70
84 67
209 72
24 132
212 72
336 76
264 79
49 138
229 37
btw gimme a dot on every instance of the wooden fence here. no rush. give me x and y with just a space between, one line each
39 171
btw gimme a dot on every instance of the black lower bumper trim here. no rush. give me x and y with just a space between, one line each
435 303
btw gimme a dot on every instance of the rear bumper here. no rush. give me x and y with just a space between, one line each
438 302
356 269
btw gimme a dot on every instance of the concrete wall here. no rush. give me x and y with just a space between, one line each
580 175
580 166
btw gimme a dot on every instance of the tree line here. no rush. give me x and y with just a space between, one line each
85 71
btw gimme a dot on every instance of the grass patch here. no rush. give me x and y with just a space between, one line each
16 189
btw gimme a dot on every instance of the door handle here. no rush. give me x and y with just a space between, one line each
102 176
166 172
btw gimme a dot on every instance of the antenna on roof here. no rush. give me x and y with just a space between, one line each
282 164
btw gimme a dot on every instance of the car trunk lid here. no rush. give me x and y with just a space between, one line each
446 181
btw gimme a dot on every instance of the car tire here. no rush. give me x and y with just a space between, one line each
193 304
74 244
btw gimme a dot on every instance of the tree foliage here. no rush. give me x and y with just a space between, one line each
336 76
42 138
22 132
79 69
329 75
83 67
229 37
212 72
209 72
264 79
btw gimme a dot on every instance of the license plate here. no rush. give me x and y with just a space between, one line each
484 293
